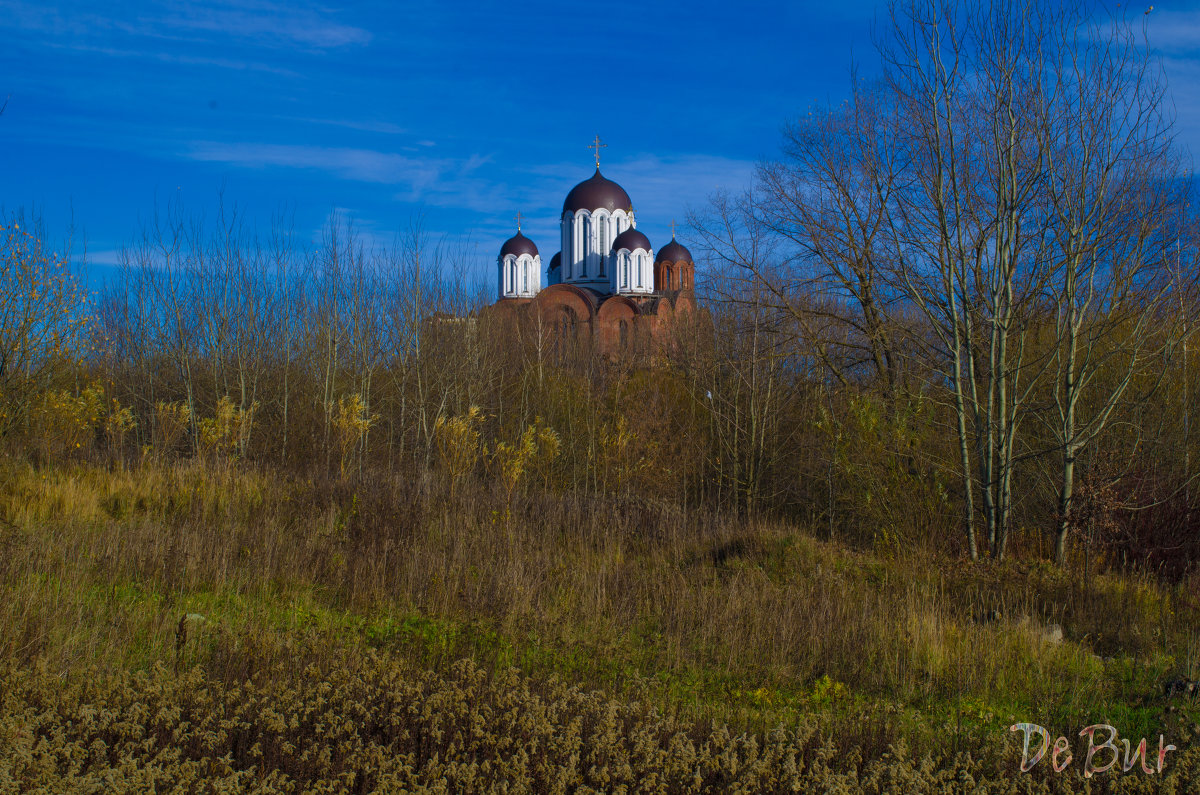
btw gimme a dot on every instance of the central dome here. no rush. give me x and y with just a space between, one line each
597 193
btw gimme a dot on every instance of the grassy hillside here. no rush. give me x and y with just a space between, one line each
145 610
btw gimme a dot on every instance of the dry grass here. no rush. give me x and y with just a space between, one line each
714 620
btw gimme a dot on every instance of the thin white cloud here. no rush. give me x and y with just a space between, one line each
473 163
468 193
386 128
1183 86
439 182
666 181
287 24
106 257
361 165
174 57
1173 31
296 24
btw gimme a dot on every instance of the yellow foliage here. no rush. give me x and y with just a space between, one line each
548 445
225 434
621 458
63 423
172 421
41 316
458 442
118 423
351 423
534 453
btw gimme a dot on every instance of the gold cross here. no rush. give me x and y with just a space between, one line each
518 220
598 146
672 228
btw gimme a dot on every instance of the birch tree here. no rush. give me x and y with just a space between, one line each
1117 202
967 241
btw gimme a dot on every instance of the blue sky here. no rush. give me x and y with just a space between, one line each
462 113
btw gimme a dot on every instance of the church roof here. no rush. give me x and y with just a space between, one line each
673 252
517 245
597 193
631 239
555 261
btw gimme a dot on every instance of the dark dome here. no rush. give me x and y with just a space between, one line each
631 239
673 252
595 194
517 245
555 261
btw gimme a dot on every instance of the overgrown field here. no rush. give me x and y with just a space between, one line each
178 623
364 724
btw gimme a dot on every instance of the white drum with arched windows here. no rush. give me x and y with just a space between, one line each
596 212
633 258
520 268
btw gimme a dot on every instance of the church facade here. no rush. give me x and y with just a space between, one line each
606 285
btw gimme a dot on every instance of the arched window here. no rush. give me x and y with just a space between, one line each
564 247
603 228
638 264
587 244
576 244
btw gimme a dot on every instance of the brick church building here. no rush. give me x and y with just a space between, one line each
605 286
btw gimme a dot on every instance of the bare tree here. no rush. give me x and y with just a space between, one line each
967 240
828 197
1116 200
1040 178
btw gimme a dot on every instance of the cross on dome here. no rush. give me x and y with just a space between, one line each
518 220
596 145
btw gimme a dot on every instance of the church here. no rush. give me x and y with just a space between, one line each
605 286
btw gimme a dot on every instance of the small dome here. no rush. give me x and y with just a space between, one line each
517 245
597 193
631 239
555 261
673 252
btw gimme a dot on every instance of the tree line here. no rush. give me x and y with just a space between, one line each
999 221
